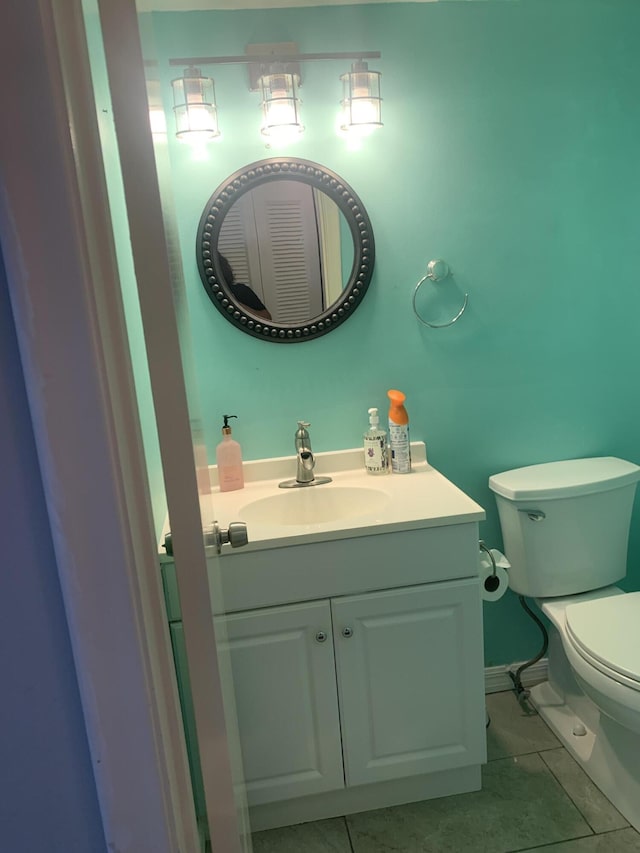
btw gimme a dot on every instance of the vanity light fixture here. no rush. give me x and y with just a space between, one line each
194 107
274 71
361 101
280 104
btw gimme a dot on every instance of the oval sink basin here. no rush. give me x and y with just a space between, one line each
314 505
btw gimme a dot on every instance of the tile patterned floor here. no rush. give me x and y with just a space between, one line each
534 797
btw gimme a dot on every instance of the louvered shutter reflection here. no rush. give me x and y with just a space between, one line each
271 238
287 231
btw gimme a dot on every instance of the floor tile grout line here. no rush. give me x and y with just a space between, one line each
559 781
553 844
550 846
585 818
346 824
518 754
619 829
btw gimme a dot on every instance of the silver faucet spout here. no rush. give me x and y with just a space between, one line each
306 464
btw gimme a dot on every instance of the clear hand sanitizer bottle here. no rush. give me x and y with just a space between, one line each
376 457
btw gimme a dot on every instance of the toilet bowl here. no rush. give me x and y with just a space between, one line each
600 636
565 527
592 707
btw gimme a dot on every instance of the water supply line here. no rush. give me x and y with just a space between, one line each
522 694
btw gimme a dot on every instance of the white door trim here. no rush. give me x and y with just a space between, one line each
55 233
125 69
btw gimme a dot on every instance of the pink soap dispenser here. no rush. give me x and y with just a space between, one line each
229 460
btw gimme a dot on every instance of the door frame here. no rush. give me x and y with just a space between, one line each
55 231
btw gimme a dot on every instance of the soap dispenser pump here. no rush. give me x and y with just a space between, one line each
229 460
376 457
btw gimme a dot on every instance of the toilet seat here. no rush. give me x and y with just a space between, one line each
605 632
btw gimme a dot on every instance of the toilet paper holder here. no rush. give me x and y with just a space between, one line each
492 582
437 270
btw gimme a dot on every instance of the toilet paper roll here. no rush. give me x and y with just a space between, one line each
493 585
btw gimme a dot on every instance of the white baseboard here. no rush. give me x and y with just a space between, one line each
496 678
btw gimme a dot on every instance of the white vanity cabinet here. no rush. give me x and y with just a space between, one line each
355 644
357 689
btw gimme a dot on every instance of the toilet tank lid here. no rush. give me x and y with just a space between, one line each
565 479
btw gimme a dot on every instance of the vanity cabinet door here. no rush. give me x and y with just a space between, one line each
285 687
410 680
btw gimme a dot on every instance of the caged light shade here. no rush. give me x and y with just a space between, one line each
361 101
194 107
280 105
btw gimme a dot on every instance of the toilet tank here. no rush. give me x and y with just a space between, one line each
565 525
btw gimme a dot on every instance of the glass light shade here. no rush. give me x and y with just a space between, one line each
194 107
280 106
361 101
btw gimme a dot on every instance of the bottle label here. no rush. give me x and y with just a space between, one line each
375 454
400 448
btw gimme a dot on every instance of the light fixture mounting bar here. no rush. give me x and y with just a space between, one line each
248 59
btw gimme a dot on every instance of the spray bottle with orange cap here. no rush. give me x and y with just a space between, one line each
399 433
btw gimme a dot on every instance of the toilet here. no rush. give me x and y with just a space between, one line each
565 527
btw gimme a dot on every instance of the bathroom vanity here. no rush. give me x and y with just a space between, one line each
353 623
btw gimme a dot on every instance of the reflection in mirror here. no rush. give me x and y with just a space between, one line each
246 295
285 249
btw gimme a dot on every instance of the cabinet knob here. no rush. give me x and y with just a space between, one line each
347 632
321 637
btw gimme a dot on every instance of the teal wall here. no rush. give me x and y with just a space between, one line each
510 149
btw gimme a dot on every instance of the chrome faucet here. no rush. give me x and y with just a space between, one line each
305 461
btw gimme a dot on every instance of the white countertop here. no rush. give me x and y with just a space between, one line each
422 498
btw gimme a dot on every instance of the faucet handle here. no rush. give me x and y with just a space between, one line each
302 433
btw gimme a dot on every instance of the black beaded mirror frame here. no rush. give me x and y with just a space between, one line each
340 192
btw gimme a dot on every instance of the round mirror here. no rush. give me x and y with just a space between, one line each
285 250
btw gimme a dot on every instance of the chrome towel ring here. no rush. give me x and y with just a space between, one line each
437 270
